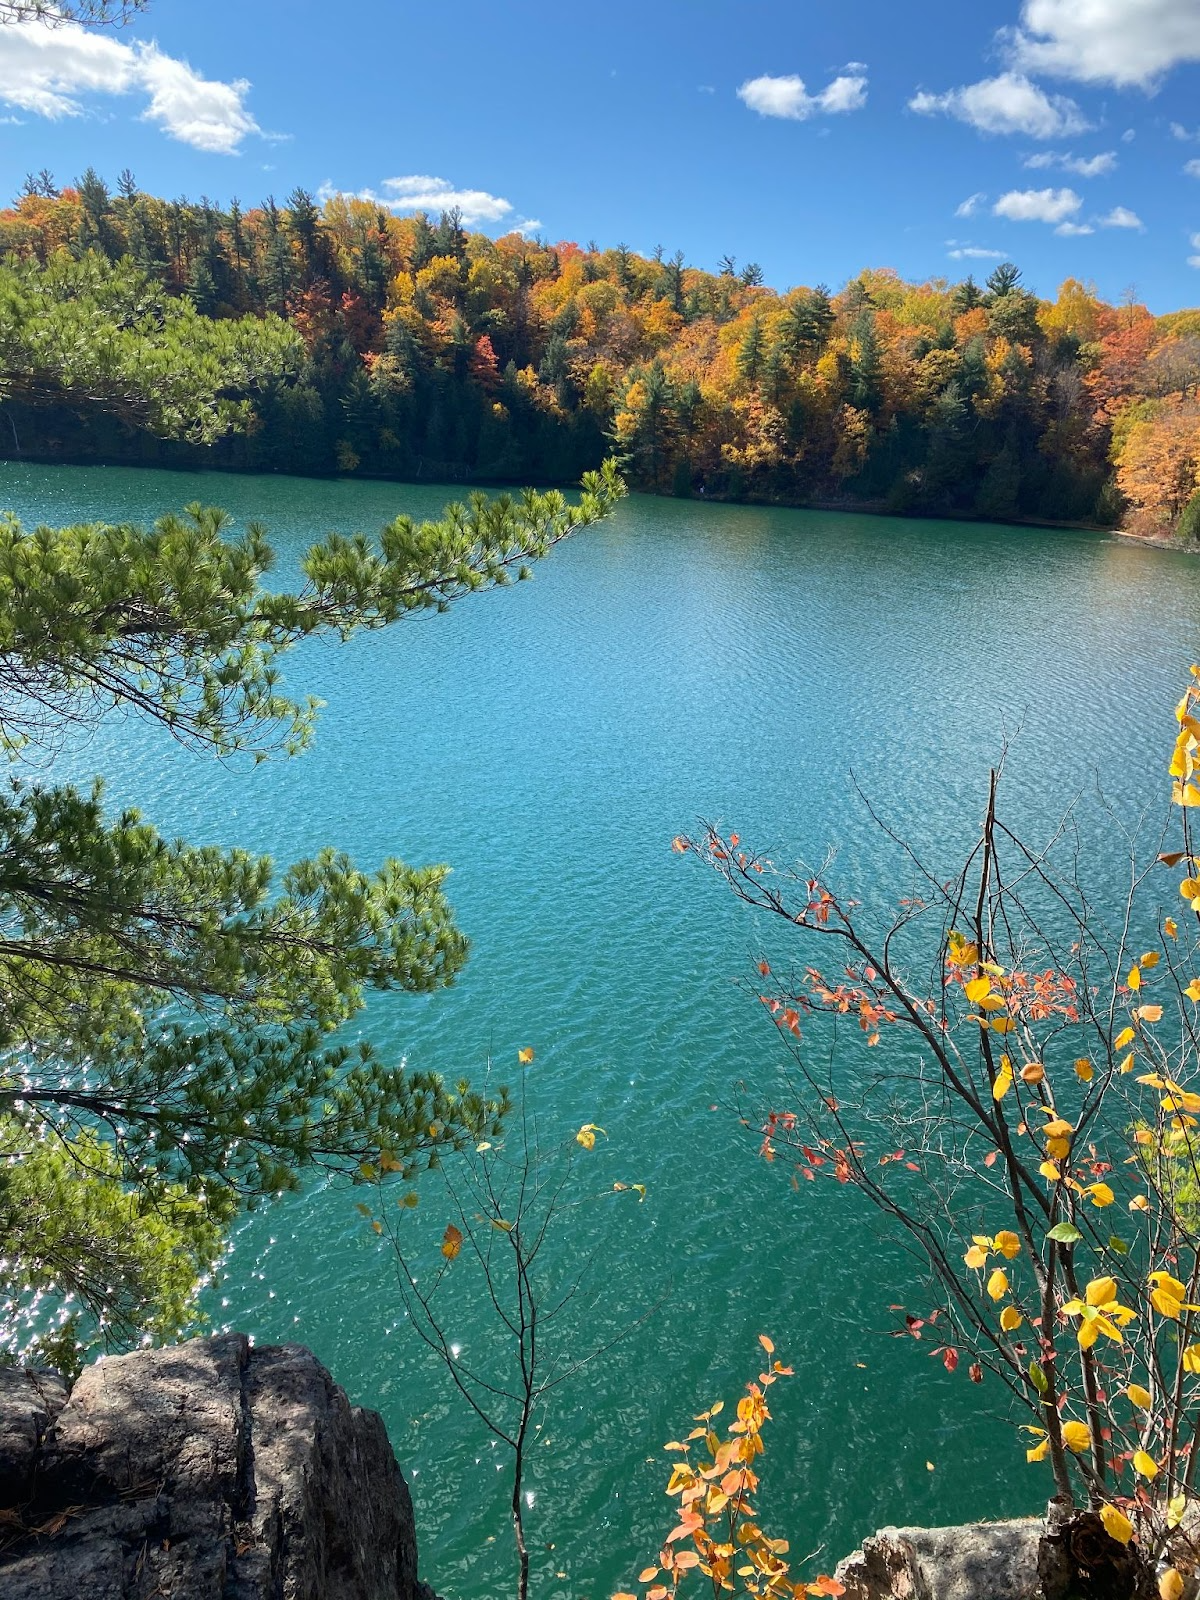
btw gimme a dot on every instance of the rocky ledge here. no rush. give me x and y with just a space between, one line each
983 1561
208 1471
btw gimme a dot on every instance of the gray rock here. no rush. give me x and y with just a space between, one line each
982 1561
206 1471
29 1402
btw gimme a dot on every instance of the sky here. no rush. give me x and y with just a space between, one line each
814 137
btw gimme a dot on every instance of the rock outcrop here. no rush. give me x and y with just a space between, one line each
207 1471
983 1561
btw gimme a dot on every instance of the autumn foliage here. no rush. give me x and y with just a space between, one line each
717 1542
1046 1088
439 353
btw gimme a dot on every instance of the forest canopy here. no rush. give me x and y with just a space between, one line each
425 351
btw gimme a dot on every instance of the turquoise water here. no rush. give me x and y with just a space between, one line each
685 661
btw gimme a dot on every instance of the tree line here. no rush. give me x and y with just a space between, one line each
422 350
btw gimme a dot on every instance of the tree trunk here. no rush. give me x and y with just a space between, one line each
1077 1560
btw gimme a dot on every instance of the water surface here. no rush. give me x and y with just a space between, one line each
683 661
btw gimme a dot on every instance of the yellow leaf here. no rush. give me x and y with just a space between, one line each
1004 1079
1050 1172
1010 1319
452 1241
1145 1466
1126 1036
1190 888
1127 1063
1167 1305
997 1284
1193 989
1171 928
524 1057
977 989
1008 1245
587 1135
1170 1585
1141 1398
1038 1452
1076 1437
1101 1291
1150 1013
1150 959
1084 1070
1002 1024
1140 1202
1116 1524
1100 1195
975 1258
1191 1358
1134 979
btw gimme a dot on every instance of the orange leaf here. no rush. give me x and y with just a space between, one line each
766 1344
452 1241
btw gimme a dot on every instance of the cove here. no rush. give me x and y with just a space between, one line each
686 660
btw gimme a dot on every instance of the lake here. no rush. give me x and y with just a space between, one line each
549 740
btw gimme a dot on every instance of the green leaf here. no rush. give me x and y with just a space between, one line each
1038 1378
1117 1245
1065 1233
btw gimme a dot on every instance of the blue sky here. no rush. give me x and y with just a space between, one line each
815 139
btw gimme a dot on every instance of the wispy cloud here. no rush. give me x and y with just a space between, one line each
970 205
1082 166
53 72
1192 168
971 252
1194 261
1009 103
788 97
1122 42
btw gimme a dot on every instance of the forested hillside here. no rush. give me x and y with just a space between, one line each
428 352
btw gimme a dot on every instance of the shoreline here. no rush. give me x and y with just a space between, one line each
847 507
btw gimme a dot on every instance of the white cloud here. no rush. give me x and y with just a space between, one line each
49 70
1194 261
970 205
1074 230
1037 205
1178 131
1122 217
1082 166
788 97
1192 168
1129 136
971 252
1121 42
419 192
1009 103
